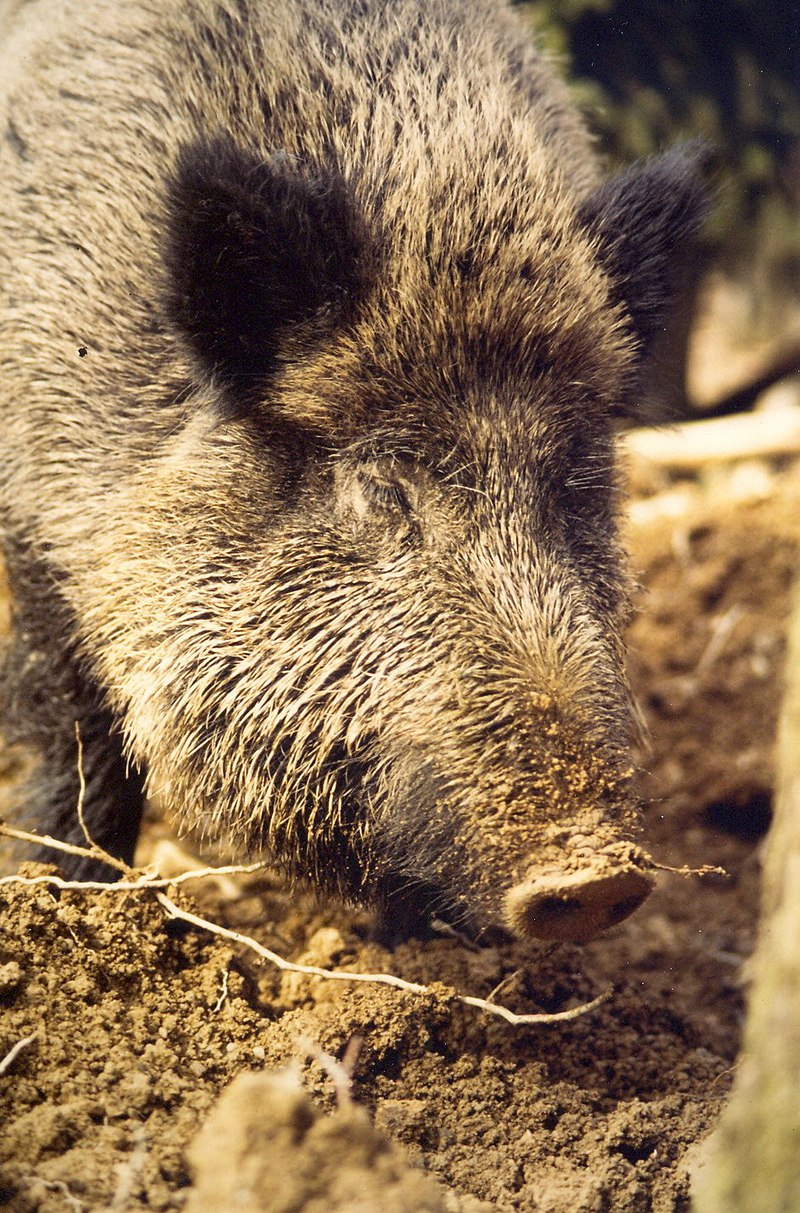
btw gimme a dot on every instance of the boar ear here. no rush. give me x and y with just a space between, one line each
263 256
645 221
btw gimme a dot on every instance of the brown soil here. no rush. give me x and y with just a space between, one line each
136 1025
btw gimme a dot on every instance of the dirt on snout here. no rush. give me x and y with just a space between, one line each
121 1029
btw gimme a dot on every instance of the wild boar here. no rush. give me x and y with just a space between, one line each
317 321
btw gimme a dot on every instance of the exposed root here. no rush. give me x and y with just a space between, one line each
137 879
150 881
386 979
339 1072
14 1052
708 869
32 1182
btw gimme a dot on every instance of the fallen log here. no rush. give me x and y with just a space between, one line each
693 444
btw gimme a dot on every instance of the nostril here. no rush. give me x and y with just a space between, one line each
557 908
575 906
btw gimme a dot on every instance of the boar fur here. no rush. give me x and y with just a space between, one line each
317 321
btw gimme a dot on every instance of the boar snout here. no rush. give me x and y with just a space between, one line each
575 906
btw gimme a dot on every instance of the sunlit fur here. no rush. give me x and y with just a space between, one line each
315 319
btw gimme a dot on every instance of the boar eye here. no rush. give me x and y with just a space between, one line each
387 494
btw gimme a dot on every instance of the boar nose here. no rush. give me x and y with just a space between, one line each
574 906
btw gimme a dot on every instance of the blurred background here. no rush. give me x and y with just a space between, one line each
650 72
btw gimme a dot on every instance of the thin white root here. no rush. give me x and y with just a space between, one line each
708 869
386 979
14 1052
539 1017
151 882
145 880
223 994
82 789
68 848
129 1172
339 1072
32 1182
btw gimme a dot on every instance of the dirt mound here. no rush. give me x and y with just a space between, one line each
129 1026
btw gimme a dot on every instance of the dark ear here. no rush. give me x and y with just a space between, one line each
264 257
646 221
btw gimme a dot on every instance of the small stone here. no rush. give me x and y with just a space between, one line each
11 976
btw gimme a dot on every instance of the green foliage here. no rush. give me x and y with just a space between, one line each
649 72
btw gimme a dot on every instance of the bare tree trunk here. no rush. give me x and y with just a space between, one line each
755 1167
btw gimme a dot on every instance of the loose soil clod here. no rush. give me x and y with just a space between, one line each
140 1025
